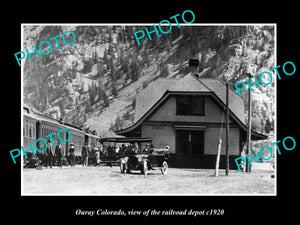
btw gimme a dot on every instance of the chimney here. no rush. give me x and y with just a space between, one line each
194 66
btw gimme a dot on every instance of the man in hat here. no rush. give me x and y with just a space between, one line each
72 154
49 153
58 153
85 154
97 155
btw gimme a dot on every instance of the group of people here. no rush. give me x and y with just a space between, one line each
131 149
55 152
88 151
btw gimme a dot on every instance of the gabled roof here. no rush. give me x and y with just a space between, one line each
236 103
150 98
189 83
150 95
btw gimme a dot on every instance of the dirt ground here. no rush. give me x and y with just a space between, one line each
106 180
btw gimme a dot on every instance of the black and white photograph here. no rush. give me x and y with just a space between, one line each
108 113
125 113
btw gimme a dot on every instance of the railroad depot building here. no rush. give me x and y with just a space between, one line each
188 114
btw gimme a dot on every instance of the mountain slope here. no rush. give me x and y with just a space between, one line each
95 80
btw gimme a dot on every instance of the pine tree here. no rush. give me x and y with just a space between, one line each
91 94
95 56
110 37
118 124
111 50
105 57
105 99
120 36
144 54
112 70
164 70
99 70
114 90
134 73
121 56
124 61
268 126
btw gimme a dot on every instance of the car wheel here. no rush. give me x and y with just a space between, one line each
164 168
144 169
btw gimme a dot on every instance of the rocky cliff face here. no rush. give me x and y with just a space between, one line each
95 80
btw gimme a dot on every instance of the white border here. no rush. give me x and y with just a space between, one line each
149 24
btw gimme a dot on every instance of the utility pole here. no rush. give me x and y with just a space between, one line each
248 167
218 157
227 130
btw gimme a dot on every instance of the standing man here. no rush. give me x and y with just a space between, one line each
97 155
72 154
58 153
49 153
85 154
95 150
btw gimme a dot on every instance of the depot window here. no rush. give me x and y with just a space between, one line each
190 105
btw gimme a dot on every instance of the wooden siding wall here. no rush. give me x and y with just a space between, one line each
211 136
161 135
167 112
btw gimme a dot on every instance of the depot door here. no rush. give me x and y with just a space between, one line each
190 142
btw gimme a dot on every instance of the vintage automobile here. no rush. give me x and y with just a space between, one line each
135 153
145 161
112 148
